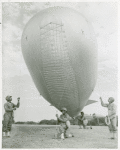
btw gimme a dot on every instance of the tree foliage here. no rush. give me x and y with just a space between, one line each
75 121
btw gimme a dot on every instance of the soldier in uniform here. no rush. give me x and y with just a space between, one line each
82 121
9 115
96 119
111 116
64 121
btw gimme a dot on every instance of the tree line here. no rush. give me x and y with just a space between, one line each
91 122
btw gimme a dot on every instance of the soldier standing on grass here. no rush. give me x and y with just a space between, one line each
9 115
111 115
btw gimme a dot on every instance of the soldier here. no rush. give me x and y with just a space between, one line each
9 115
111 115
82 121
96 119
64 121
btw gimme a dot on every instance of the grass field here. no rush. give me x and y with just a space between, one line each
36 136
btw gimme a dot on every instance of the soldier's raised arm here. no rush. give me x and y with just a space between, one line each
102 103
18 103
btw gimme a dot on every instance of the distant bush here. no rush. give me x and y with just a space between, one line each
74 121
94 122
53 122
31 122
19 122
91 121
48 122
28 122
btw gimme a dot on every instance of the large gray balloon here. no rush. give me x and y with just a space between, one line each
59 48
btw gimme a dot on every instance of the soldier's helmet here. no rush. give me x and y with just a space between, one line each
64 109
8 97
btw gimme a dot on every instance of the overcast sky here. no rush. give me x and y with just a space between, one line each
16 78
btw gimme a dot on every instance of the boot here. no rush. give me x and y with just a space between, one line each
111 135
4 134
8 134
114 135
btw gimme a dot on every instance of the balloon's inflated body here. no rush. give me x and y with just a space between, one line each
59 48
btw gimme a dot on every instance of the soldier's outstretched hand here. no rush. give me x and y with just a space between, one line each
18 98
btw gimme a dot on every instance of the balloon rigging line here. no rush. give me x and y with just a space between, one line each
64 84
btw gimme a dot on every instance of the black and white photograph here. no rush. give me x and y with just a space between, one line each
59 75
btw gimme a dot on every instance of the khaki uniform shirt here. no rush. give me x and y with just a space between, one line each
112 110
8 108
65 117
